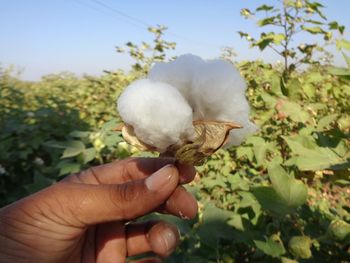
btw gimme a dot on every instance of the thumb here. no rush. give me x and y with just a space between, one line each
93 204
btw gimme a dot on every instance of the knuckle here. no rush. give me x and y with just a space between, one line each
128 169
123 196
127 192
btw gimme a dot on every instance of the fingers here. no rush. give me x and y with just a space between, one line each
156 236
181 203
116 241
110 242
187 172
130 169
93 204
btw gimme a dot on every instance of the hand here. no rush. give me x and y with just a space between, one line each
84 218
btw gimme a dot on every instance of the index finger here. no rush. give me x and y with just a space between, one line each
130 169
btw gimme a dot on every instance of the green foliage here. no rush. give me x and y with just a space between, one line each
300 246
339 230
344 73
276 195
145 54
290 18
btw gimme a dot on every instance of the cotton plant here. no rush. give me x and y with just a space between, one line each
187 108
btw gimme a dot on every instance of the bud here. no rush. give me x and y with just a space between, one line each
338 230
300 246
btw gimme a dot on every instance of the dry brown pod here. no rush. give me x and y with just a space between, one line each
210 136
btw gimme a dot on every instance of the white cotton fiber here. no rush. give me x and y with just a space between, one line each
218 93
178 73
157 111
216 86
161 109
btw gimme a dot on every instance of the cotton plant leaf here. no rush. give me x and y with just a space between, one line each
210 136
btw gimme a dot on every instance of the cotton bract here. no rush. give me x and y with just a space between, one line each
158 113
161 108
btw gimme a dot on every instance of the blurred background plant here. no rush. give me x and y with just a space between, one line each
282 196
288 19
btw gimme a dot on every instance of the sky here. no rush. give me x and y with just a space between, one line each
40 37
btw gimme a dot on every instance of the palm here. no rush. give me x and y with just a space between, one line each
49 231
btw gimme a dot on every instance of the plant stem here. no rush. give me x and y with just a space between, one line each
286 41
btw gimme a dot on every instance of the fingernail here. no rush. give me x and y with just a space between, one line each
169 238
160 178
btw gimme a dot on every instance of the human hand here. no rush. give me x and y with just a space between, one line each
84 218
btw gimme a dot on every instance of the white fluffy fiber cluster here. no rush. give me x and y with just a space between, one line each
161 108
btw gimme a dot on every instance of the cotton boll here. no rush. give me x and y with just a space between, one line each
157 111
178 73
216 85
218 93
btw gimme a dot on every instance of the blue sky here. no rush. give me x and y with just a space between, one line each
49 36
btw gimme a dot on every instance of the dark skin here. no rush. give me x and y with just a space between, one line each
87 217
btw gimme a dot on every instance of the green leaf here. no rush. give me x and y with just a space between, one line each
261 148
242 34
343 182
246 12
79 134
215 226
266 21
55 144
263 43
245 151
314 30
88 154
293 192
309 90
110 125
270 247
339 71
294 88
288 260
300 247
111 140
237 183
335 26
39 182
68 167
315 22
275 80
338 230
74 148
267 38
236 222
264 8
210 183
270 101
315 7
344 122
294 111
347 60
308 156
269 200
314 77
343 43
324 122
277 38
